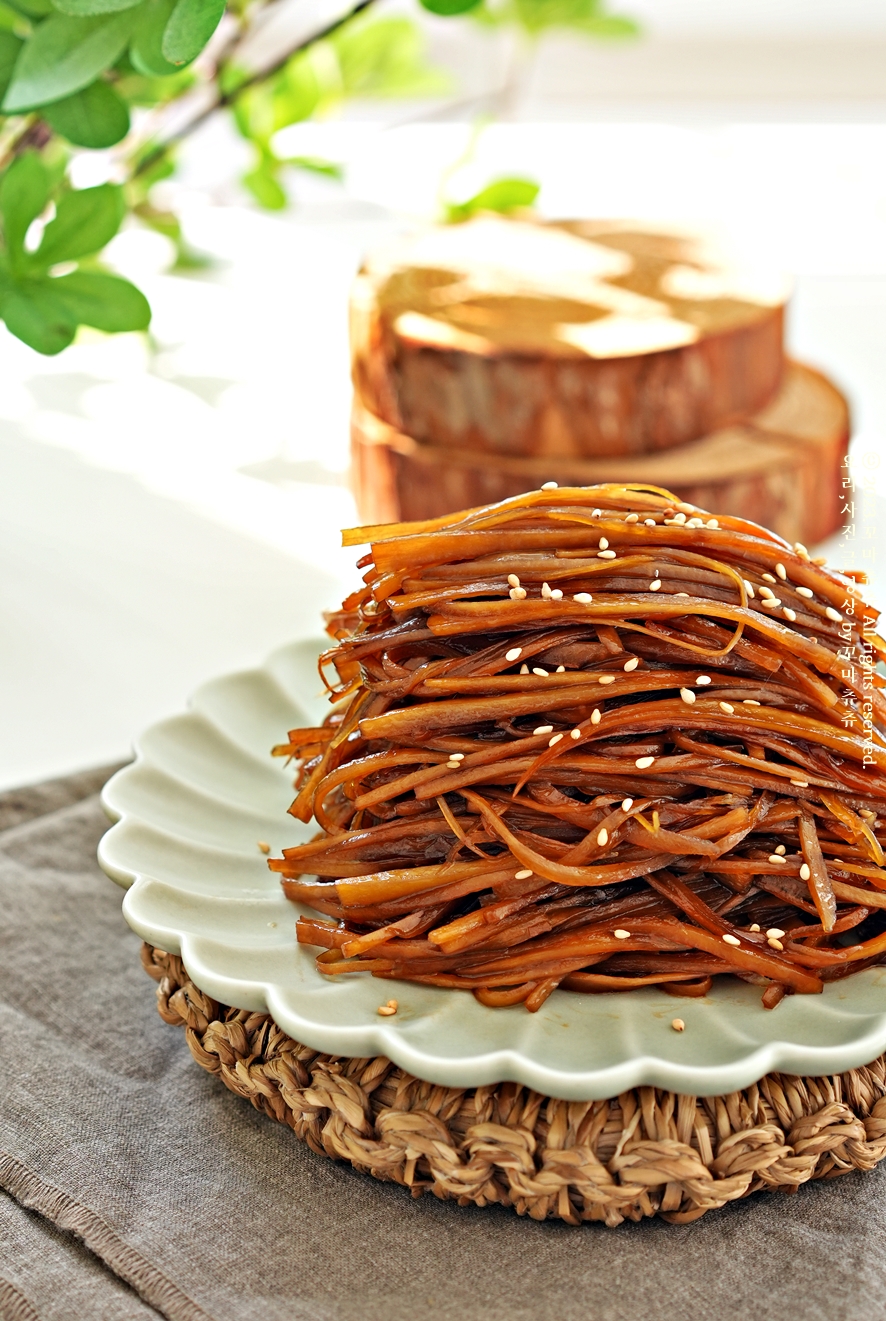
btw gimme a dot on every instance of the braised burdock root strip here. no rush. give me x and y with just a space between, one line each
595 738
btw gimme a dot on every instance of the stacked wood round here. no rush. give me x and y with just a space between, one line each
490 357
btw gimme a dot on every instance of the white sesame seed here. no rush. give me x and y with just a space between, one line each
801 784
632 663
767 592
727 707
729 939
820 561
790 614
767 577
544 729
513 580
805 591
575 733
805 872
602 836
801 550
686 594
678 1025
643 763
517 593
775 932
712 522
621 934
604 544
755 926
655 586
695 522
524 668
605 554
453 766
549 486
514 654
834 615
771 603
649 522
780 848
627 804
867 813
387 1010
776 857
456 756
606 678
632 518
596 717
679 518
545 591
556 594
595 513
749 588
555 739
542 674
523 875
703 679
774 943
263 845
687 695
782 572
583 598
561 669
749 701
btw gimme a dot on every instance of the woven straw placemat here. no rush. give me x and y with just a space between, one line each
646 1152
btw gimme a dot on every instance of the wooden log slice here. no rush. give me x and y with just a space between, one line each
566 340
781 468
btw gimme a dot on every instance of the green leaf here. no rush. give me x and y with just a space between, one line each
448 8
95 117
146 51
190 27
384 57
33 313
501 195
65 55
85 8
106 302
262 182
31 8
84 222
10 47
24 192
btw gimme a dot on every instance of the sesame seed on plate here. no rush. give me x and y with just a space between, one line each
583 598
678 1025
514 654
687 695
542 674
627 804
523 875
782 572
602 836
264 846
555 739
776 857
805 872
643 763
655 586
727 707
834 615
549 486
513 580
805 591
703 679
386 1010
605 554
621 934
604 544
729 939
632 663
596 717
606 678
544 729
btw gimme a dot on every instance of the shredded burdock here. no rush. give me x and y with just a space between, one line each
594 738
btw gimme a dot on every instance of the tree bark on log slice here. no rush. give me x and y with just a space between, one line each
781 468
562 341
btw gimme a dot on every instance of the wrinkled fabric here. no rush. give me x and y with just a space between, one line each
137 1185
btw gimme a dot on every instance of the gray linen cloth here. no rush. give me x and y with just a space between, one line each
136 1185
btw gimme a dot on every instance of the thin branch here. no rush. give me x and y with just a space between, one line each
222 100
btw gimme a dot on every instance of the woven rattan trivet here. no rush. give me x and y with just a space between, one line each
644 1153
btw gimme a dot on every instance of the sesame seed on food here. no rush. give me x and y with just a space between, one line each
556 739
729 939
514 654
606 678
575 733
643 763
805 872
834 615
727 707
605 554
544 729
550 486
655 586
805 591
782 572
632 663
602 836
537 669
703 679
523 875
687 695
513 580
627 804
596 716
583 598
604 544
621 934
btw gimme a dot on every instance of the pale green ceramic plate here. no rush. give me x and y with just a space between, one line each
189 813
